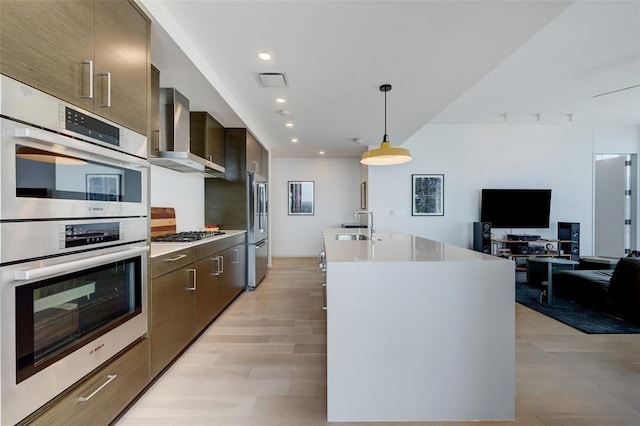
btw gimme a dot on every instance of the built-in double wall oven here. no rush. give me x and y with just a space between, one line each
73 245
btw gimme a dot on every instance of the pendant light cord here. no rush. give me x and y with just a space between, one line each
386 137
385 88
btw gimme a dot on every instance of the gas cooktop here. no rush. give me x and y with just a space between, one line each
185 237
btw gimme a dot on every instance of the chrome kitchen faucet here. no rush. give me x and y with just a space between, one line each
371 230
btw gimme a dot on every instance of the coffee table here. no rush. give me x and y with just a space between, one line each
551 264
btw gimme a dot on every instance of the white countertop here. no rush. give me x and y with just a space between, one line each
158 249
390 246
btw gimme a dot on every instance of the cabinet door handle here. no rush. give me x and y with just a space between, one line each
156 140
324 296
108 76
237 252
221 264
194 280
84 93
178 257
216 270
110 378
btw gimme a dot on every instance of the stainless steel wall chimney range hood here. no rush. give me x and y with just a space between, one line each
175 145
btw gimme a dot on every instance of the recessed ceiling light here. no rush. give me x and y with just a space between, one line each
281 100
294 140
265 56
288 124
321 152
284 112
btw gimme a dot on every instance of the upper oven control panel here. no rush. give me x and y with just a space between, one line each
86 125
89 233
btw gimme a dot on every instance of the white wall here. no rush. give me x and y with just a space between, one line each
337 196
473 157
182 191
616 139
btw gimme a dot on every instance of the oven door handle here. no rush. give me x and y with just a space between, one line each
41 136
75 265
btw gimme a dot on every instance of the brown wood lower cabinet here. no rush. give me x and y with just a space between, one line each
99 399
171 308
207 298
233 278
189 289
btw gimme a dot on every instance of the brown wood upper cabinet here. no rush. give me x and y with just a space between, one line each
154 125
243 154
207 137
257 157
92 54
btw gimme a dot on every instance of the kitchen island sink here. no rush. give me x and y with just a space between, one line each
350 237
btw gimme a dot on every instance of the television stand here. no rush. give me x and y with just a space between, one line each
519 250
523 237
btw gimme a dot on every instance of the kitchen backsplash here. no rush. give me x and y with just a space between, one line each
182 191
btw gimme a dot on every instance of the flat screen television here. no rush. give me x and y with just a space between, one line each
516 208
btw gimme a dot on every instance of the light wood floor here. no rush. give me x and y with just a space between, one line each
262 363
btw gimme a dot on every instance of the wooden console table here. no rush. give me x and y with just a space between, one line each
502 249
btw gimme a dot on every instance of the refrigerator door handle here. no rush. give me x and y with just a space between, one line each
261 207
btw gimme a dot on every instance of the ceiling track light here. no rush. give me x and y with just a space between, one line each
386 155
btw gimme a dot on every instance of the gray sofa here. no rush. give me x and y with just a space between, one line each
614 291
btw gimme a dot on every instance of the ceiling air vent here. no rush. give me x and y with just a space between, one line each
272 79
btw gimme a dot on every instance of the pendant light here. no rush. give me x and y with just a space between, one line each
386 155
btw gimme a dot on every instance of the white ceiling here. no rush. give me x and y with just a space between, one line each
448 62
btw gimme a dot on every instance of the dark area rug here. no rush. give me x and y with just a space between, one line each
582 318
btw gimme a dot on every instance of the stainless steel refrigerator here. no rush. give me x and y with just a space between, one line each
257 229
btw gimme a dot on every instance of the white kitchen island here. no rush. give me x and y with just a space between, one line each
417 330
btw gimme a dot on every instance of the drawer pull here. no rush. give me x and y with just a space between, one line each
110 378
324 296
178 257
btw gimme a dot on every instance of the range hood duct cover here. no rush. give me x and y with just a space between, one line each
175 139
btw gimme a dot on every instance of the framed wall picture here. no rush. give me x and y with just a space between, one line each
103 187
363 195
428 195
301 198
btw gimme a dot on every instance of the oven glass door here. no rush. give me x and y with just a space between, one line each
58 315
44 173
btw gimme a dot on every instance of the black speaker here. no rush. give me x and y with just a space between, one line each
537 249
519 248
569 236
482 237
